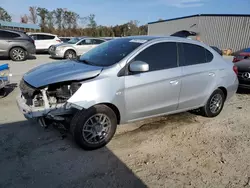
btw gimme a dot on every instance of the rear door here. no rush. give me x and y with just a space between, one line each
156 91
199 75
6 40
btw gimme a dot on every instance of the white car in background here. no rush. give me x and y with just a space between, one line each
44 41
75 47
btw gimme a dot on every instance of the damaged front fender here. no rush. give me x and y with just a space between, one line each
100 90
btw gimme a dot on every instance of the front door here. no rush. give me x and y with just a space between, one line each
157 91
199 75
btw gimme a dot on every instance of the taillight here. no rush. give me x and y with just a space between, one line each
235 69
58 41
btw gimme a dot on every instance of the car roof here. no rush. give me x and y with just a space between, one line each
163 37
41 33
13 30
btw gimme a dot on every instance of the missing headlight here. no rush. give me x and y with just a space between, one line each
61 92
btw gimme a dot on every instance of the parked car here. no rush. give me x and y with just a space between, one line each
16 44
74 47
65 39
125 80
189 35
244 73
44 41
4 78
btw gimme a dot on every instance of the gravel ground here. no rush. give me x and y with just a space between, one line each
182 150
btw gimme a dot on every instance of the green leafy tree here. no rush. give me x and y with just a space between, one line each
92 23
42 13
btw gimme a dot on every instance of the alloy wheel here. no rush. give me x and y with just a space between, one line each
96 128
216 103
18 54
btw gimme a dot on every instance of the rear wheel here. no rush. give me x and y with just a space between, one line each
70 54
18 54
214 104
94 128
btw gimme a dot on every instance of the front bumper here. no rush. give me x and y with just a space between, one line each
57 54
30 112
244 86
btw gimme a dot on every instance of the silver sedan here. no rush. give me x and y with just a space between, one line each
74 47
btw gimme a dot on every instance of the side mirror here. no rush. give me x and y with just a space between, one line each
139 66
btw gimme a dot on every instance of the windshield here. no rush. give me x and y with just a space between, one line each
110 52
73 40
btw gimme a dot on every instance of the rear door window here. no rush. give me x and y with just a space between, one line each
86 42
8 35
45 37
159 56
192 54
97 41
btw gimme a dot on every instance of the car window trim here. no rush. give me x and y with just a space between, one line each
125 72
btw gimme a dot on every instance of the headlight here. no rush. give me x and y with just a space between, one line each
60 48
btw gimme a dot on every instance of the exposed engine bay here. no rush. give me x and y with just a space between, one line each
53 94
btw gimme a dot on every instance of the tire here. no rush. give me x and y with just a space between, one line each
3 93
207 111
82 120
49 49
70 54
18 54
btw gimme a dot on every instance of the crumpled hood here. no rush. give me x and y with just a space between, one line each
59 72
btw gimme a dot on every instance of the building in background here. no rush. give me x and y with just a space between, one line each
223 31
19 26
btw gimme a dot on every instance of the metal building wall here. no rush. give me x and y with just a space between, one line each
221 31
169 27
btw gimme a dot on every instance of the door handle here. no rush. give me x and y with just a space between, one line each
211 74
173 82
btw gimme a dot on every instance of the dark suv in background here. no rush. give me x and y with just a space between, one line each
16 44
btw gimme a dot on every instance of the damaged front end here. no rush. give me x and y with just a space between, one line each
48 102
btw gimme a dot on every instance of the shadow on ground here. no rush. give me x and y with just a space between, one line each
35 157
4 92
31 57
243 91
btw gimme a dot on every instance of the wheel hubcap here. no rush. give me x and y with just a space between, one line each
70 55
216 103
18 54
96 128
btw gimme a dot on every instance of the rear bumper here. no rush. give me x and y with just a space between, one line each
231 90
31 50
244 86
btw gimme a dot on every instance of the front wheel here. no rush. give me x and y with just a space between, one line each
18 54
70 54
214 105
94 128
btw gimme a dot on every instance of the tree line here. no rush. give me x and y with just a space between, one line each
64 22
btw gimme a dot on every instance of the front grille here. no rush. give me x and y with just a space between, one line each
26 89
